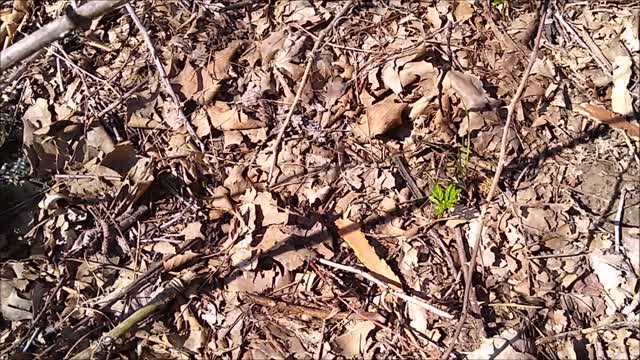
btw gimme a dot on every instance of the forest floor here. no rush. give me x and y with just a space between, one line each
325 179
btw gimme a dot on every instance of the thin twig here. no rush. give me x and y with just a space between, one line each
305 76
164 77
467 289
122 98
174 287
573 333
395 291
54 30
618 223
514 102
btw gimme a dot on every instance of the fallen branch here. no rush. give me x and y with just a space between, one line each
573 333
164 77
467 287
174 287
305 76
514 102
55 30
395 291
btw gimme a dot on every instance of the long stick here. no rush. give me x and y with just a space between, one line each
394 289
514 102
162 299
305 76
164 77
55 30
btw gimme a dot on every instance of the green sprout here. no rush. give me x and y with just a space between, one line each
496 3
444 200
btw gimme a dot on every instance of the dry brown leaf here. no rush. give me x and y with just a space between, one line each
469 89
38 114
222 60
352 234
193 231
224 118
610 118
201 122
179 260
463 12
391 78
353 343
621 101
379 119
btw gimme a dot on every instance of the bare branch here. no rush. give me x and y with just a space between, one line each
55 30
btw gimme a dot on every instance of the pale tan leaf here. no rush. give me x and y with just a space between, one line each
222 60
201 122
351 233
353 342
224 118
379 119
621 101
193 231
391 78
469 89
179 260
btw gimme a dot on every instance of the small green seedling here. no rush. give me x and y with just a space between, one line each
496 3
444 200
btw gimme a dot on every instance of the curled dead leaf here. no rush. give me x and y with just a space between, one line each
379 119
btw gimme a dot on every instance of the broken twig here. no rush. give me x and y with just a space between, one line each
514 102
164 77
395 291
305 76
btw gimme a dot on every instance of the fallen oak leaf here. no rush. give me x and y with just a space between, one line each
351 233
179 260
379 119
219 68
193 231
469 89
225 118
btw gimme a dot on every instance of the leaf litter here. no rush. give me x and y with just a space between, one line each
403 99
